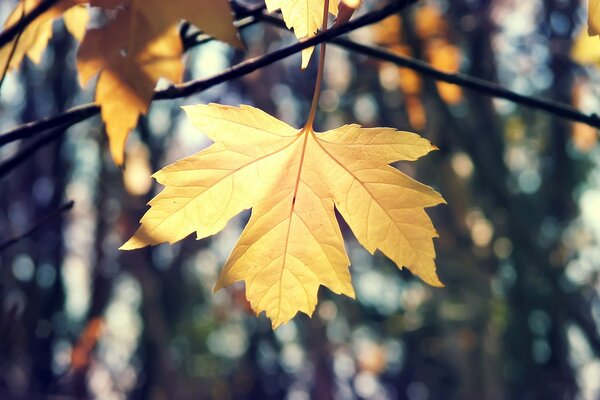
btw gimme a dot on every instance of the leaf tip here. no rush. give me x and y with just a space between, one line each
129 245
217 287
221 283
306 56
275 325
432 279
135 242
277 322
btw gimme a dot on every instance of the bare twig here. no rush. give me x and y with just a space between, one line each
245 16
86 111
14 49
67 118
54 213
245 67
80 113
199 38
479 85
11 163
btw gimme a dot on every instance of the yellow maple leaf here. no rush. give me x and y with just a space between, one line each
304 17
292 179
594 17
35 36
137 48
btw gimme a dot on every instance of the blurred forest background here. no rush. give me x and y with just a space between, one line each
519 249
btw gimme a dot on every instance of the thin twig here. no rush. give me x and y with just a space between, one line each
67 118
11 163
245 16
14 48
86 111
80 113
199 38
465 81
10 33
251 65
65 207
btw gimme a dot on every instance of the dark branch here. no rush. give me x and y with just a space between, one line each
248 66
244 16
9 34
465 81
83 112
11 163
13 50
65 207
78 114
67 118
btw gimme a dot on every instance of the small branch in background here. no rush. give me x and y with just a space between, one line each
47 218
9 164
251 65
245 16
85 111
66 119
465 81
14 48
199 38
9 34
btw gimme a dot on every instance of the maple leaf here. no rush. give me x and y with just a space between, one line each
304 17
292 179
36 35
594 17
139 46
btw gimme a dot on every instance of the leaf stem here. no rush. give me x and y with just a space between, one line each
317 93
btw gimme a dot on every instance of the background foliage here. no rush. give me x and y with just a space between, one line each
518 249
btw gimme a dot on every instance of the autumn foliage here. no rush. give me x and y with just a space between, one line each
293 179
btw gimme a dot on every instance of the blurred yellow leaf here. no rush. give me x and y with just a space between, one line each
594 18
351 3
292 179
416 112
139 46
429 22
36 35
304 17
137 175
410 81
446 57
585 137
388 32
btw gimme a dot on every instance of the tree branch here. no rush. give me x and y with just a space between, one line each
11 163
251 65
13 50
465 81
10 33
80 113
65 207
245 16
67 118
